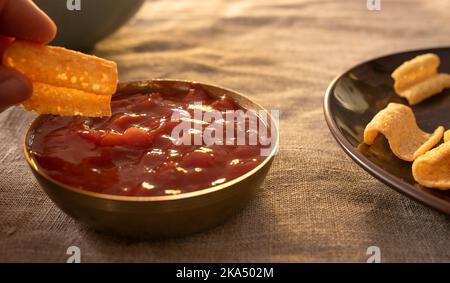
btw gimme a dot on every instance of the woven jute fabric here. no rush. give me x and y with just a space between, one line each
316 205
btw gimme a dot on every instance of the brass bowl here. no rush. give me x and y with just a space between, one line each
155 216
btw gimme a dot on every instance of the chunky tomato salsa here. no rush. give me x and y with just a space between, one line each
134 152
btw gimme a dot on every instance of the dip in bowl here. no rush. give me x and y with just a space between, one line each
155 168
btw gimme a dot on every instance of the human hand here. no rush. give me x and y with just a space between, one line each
20 19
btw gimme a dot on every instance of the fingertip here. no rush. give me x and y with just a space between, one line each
48 28
53 30
22 19
49 33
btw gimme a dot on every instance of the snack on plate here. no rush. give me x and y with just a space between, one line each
447 136
433 168
427 88
65 82
418 78
398 124
415 70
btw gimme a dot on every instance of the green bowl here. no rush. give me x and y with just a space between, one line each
80 30
157 216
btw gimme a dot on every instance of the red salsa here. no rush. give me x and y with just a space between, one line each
133 153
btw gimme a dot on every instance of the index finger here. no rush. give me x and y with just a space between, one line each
22 19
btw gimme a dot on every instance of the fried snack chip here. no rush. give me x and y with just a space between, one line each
65 82
418 79
433 168
415 70
447 136
427 88
47 99
398 124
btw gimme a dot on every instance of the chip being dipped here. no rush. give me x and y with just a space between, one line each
398 124
65 82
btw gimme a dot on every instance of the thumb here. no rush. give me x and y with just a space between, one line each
14 88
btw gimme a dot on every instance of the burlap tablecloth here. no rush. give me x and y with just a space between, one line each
316 204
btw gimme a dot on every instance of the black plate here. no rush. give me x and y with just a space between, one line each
352 100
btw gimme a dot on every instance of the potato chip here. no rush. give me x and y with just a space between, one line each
62 67
47 99
398 124
427 88
447 136
418 79
65 82
433 168
415 70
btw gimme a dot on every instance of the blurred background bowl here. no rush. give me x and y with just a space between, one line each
80 30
